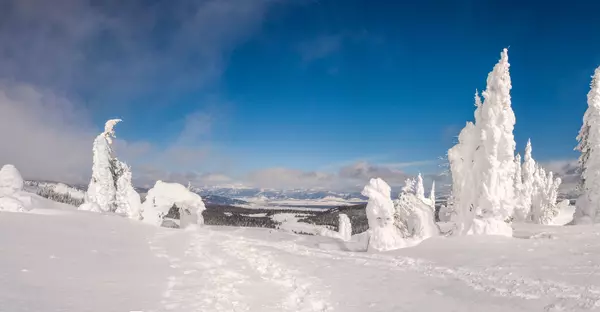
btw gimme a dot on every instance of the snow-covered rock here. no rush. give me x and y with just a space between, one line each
383 235
161 198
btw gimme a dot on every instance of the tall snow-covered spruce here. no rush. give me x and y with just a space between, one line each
110 188
482 163
588 204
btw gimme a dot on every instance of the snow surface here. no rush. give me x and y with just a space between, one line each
79 261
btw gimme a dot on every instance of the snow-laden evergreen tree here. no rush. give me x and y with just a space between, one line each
432 195
461 158
588 204
102 191
110 188
521 210
128 200
414 217
544 207
484 162
345 227
528 173
419 188
383 235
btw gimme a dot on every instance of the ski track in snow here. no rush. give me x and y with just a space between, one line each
215 262
563 296
213 268
300 297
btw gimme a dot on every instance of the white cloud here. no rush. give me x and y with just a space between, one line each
59 57
44 135
320 47
349 177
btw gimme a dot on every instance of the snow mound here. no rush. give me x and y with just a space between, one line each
383 235
161 198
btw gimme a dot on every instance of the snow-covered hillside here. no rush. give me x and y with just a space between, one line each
55 258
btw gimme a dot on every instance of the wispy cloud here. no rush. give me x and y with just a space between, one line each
320 47
62 60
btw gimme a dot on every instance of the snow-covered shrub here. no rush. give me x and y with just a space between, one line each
588 204
163 196
482 163
383 234
413 216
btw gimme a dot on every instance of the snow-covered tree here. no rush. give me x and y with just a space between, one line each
544 207
528 177
128 200
101 192
521 210
413 217
483 161
461 158
110 189
588 204
383 235
161 198
432 195
10 180
12 196
419 189
345 227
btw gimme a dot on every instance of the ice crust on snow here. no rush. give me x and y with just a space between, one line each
161 198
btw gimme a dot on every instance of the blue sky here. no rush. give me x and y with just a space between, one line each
254 90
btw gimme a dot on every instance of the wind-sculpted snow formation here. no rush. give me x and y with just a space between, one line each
161 198
383 234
